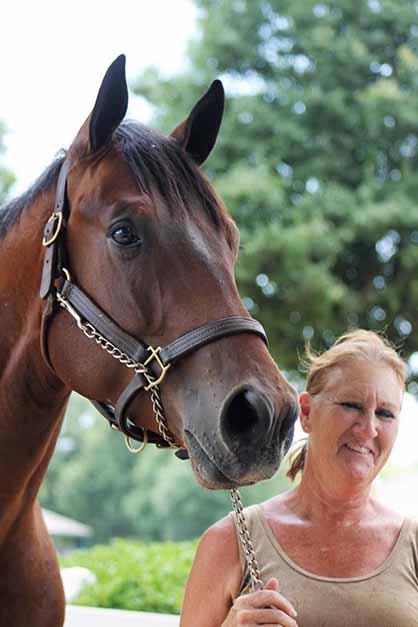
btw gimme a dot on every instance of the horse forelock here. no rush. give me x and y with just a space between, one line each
161 165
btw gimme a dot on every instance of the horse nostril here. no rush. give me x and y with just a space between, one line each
246 418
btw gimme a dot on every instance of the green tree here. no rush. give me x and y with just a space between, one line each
90 473
316 159
6 177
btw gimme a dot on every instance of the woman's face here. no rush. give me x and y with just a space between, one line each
353 422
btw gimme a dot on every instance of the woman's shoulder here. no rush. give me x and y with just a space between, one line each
220 538
221 528
411 525
384 515
403 527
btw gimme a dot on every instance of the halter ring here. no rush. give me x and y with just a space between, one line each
131 448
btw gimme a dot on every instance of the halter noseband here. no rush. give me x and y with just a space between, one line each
149 364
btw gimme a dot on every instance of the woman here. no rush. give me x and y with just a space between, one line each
341 557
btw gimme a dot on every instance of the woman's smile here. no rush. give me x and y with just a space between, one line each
359 449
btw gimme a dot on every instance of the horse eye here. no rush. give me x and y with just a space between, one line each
125 235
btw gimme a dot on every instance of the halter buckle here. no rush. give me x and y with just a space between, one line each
155 354
56 228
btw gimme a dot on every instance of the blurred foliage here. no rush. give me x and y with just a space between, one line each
6 177
316 159
93 478
135 576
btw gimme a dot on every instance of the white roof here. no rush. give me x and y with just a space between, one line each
59 525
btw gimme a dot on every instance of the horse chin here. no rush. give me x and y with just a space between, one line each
211 476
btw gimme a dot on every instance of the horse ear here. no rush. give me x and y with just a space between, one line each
197 133
111 104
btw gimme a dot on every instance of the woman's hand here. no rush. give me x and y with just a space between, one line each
264 607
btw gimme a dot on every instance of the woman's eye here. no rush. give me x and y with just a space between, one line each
351 405
125 235
385 414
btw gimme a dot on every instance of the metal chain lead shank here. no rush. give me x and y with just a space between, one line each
246 543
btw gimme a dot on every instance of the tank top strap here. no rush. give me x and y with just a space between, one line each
407 549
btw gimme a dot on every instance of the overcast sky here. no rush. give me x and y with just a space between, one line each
53 56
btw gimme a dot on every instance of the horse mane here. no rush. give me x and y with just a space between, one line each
156 161
11 211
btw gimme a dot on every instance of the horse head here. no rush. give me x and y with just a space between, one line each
153 247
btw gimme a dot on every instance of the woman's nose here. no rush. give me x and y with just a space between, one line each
367 425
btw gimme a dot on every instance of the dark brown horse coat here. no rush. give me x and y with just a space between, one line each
152 245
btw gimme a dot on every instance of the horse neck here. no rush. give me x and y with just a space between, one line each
32 399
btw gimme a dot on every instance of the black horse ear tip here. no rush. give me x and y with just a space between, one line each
119 62
217 86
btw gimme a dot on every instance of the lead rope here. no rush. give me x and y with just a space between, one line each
93 334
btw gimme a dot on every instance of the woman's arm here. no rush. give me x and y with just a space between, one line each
214 584
214 579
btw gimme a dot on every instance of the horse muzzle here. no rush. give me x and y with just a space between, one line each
248 445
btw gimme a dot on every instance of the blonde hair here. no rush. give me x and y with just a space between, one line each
352 346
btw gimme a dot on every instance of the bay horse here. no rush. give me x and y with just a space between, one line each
117 277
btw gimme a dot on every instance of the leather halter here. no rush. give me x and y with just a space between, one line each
149 364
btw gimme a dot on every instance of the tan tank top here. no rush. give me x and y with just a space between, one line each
387 597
